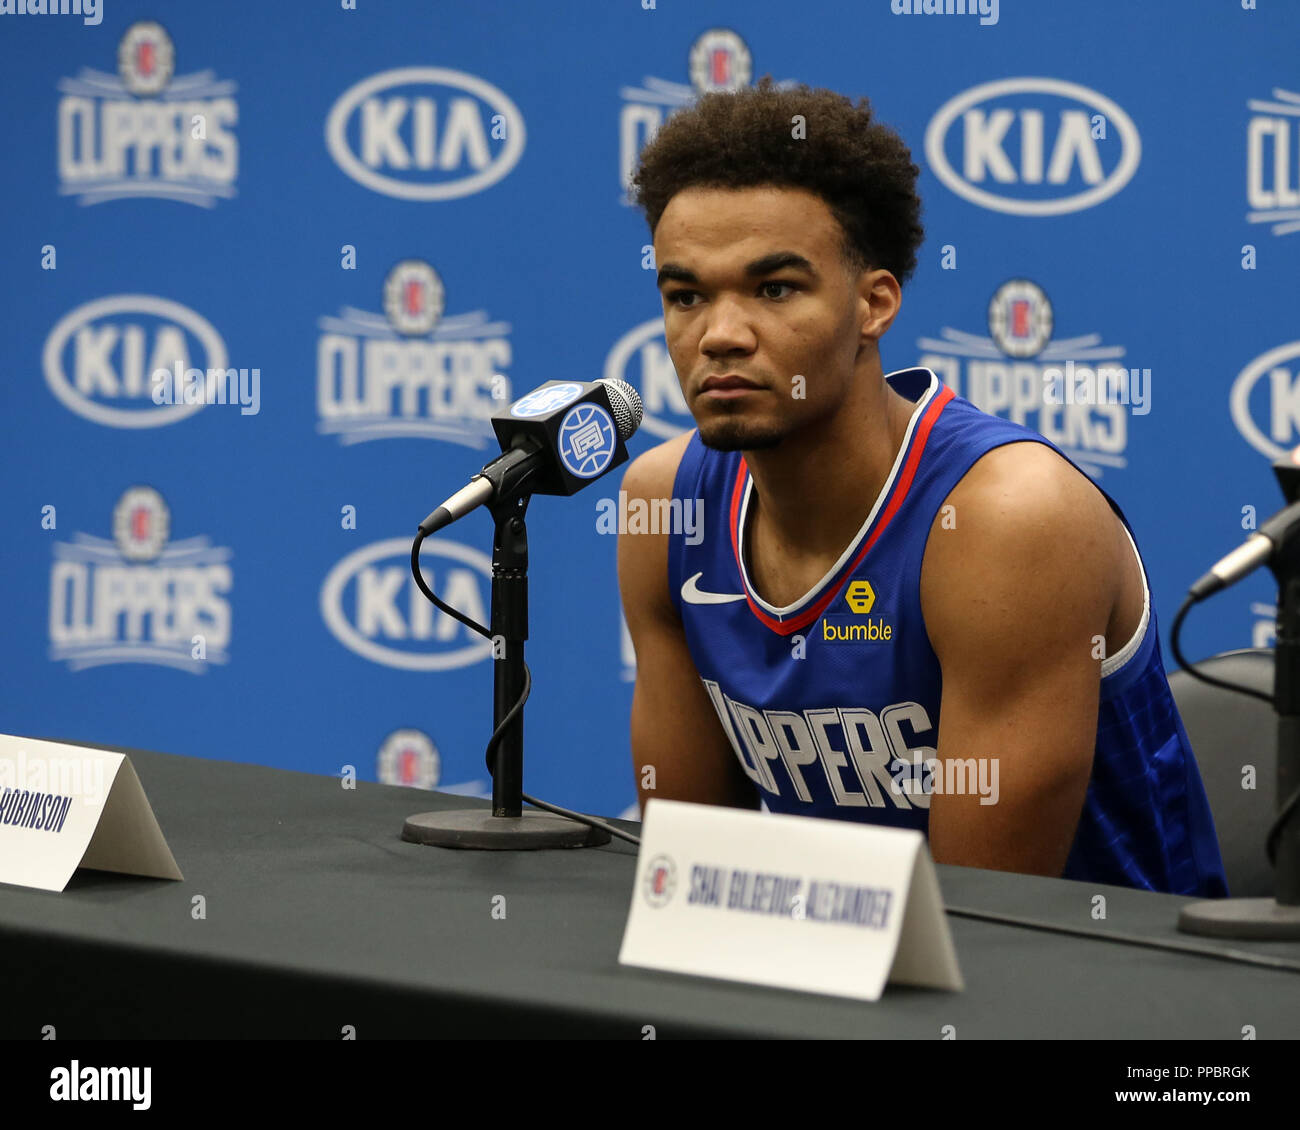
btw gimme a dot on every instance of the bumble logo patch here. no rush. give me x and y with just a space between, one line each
860 598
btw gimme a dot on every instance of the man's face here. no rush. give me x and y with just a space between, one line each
755 287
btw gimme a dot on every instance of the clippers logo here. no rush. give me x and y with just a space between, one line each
425 133
146 59
660 880
1033 146
138 599
411 372
371 604
1273 162
413 297
641 358
1009 373
718 60
141 524
1020 318
143 132
1265 401
864 759
100 357
409 757
587 440
543 400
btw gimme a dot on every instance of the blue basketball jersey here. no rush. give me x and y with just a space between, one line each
832 703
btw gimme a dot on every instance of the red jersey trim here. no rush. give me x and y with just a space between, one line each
899 493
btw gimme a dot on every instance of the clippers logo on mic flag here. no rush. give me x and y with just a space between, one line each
582 426
587 440
548 398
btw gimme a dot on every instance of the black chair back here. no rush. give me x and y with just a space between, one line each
1230 732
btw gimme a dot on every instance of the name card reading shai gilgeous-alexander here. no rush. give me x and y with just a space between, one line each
795 902
68 806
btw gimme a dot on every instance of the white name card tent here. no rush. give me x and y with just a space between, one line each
795 902
67 806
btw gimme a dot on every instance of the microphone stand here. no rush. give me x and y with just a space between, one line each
507 827
1278 918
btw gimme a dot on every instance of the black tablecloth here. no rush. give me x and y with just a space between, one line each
318 916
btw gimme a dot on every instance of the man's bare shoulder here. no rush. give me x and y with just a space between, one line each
643 557
1029 480
652 473
1023 531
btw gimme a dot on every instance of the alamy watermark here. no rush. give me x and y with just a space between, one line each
953 776
681 517
987 10
1106 384
90 10
71 776
210 386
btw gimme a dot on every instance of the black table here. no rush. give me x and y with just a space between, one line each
318 916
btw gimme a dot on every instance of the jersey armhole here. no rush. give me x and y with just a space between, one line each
1112 663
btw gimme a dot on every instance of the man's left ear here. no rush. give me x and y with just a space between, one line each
880 293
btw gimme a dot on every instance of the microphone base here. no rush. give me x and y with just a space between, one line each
477 829
1261 919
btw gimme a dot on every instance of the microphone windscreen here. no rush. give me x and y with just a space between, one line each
625 402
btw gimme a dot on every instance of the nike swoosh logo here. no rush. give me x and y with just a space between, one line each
692 594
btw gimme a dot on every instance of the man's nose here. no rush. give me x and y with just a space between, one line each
728 328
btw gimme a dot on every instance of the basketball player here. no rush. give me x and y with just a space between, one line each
902 610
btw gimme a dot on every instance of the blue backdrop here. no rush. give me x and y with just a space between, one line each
378 221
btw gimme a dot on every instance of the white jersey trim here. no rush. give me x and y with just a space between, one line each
853 546
1112 664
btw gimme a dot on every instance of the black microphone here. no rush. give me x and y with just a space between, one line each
1246 558
554 440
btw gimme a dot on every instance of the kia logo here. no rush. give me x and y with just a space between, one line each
1020 155
425 133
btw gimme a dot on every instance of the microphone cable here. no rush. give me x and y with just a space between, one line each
513 712
1289 806
1236 956
1175 634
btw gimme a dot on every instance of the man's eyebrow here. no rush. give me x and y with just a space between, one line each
777 261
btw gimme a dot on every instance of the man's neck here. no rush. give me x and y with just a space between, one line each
813 491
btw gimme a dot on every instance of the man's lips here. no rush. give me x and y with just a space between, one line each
729 385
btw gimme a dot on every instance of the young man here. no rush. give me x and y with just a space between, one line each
877 553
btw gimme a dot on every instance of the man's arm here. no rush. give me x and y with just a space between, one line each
675 730
1020 575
